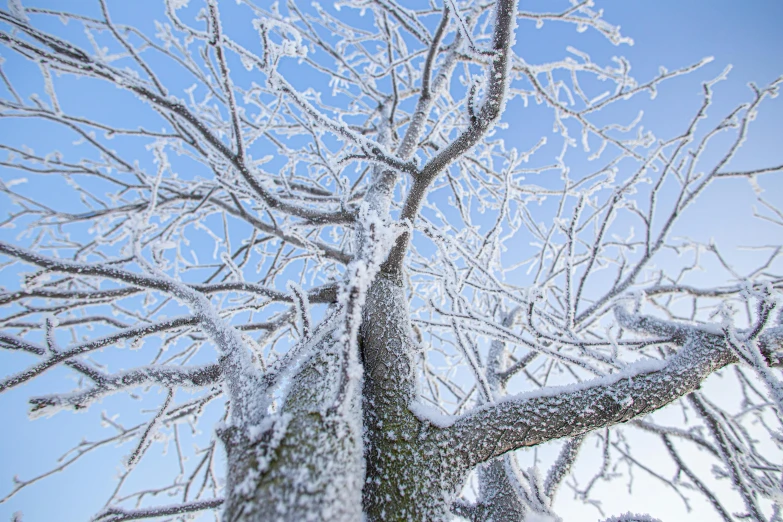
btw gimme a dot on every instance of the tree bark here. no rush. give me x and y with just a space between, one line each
304 463
398 484
531 419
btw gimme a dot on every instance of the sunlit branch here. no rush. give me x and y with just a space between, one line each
116 514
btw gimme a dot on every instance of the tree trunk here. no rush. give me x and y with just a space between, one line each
391 489
305 462
409 476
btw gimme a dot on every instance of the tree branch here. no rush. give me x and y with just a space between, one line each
117 514
497 74
535 418
188 377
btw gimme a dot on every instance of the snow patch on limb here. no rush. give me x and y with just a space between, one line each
427 414
653 325
638 369
632 517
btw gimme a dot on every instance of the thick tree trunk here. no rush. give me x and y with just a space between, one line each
305 462
406 478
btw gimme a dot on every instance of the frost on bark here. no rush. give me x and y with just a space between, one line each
330 246
304 463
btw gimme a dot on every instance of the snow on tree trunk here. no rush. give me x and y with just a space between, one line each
406 477
397 481
305 462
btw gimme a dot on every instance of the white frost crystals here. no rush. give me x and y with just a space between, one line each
177 4
16 9
310 263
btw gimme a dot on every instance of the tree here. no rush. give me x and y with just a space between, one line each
339 273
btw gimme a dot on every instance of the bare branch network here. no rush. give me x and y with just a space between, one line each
334 264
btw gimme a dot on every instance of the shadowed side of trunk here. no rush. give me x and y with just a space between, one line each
406 479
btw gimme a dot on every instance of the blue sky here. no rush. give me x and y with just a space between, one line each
666 32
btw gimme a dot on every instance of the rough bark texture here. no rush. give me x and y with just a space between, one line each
410 475
307 463
395 487
498 497
527 421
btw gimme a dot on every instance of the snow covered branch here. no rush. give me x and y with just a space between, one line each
534 418
119 514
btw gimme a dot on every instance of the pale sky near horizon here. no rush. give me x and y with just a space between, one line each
666 32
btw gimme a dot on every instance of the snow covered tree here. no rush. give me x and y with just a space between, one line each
350 255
